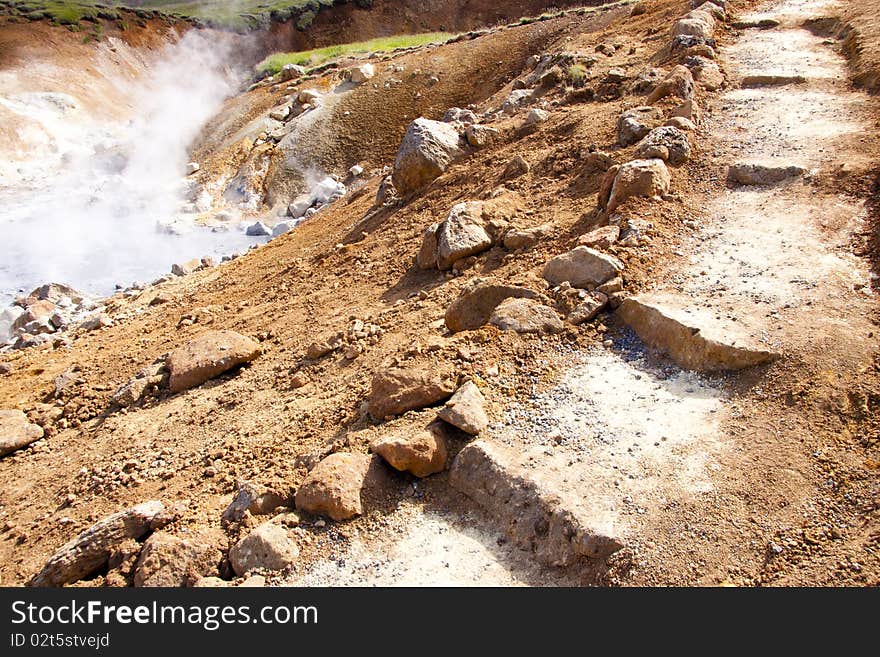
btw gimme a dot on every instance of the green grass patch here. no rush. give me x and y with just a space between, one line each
577 74
238 15
308 58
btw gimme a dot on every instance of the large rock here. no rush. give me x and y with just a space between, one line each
38 310
666 143
16 431
533 517
582 267
477 300
694 26
525 316
638 178
466 410
462 234
692 341
427 150
396 391
90 551
207 356
362 73
679 82
422 453
637 122
706 72
762 174
336 487
169 561
268 547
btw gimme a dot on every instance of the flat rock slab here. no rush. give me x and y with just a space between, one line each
758 24
755 173
582 267
694 341
769 80
209 355
89 552
534 518
16 431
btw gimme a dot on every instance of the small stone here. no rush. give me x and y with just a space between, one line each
466 410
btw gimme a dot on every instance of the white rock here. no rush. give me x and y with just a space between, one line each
362 73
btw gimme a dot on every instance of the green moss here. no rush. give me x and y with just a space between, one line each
318 56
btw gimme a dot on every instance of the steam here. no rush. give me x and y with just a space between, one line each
84 209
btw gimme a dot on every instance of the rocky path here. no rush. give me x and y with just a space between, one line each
641 450
631 447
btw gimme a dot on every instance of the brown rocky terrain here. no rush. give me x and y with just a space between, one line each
664 373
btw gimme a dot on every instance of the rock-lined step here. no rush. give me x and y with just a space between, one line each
757 24
692 341
763 80
533 517
752 173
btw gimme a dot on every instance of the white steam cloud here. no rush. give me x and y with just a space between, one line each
84 209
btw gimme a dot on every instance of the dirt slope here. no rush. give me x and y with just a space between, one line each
767 477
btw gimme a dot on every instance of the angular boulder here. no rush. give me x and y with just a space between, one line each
694 26
638 178
666 143
525 316
268 547
170 561
395 391
582 267
466 410
476 301
692 341
427 150
422 453
362 73
635 123
679 82
336 486
462 234
16 431
208 356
